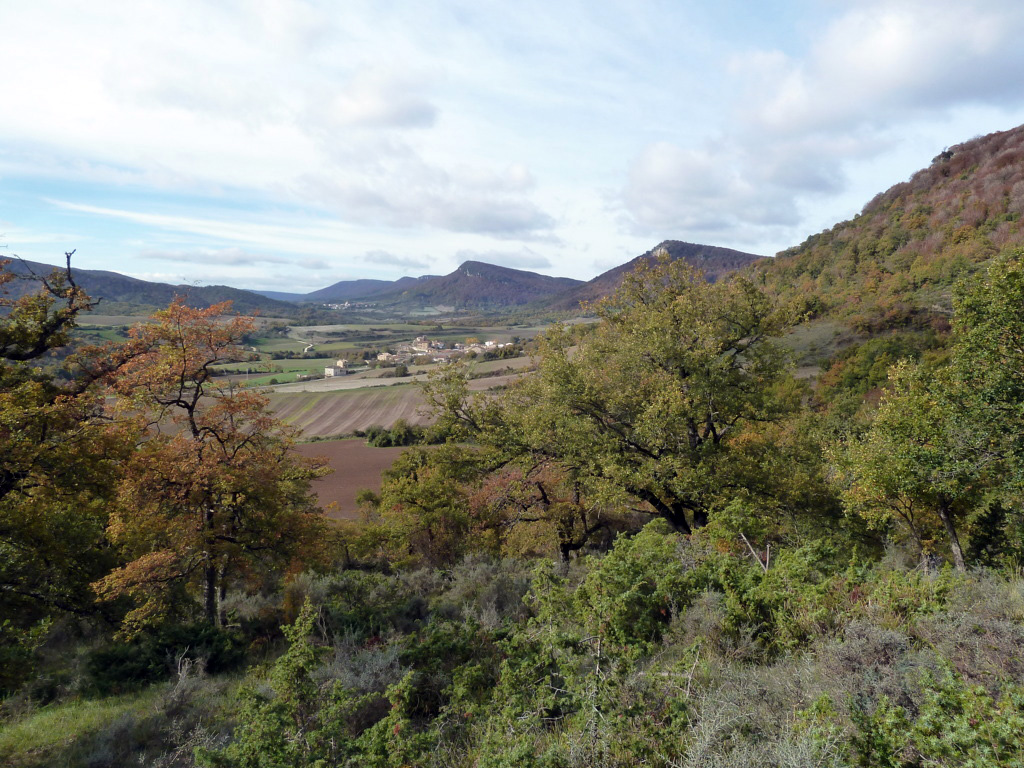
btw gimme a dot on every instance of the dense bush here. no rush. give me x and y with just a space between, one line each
401 433
159 654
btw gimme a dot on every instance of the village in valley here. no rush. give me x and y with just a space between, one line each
283 354
438 351
421 351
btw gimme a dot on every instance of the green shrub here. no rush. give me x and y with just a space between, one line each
632 593
401 433
299 723
366 604
153 657
18 652
956 725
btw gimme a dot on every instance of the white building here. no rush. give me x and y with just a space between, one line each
340 368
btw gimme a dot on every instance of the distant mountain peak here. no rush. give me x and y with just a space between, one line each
478 285
713 261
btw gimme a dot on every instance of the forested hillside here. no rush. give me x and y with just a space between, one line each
899 259
662 548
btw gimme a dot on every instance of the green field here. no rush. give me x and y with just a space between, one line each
100 333
282 370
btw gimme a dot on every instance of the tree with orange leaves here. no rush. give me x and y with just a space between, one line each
213 494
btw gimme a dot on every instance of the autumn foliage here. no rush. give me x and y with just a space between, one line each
212 494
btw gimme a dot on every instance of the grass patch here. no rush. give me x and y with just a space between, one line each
42 734
816 341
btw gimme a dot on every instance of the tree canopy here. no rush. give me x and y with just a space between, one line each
58 454
642 412
212 491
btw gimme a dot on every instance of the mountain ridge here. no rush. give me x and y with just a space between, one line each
481 285
714 261
473 285
115 288
477 285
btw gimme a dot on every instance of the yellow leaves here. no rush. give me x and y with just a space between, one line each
144 580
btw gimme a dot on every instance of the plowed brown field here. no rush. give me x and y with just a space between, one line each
320 414
356 465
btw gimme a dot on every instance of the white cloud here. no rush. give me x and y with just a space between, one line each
707 192
802 120
322 238
408 192
892 59
229 257
378 98
390 259
523 259
264 98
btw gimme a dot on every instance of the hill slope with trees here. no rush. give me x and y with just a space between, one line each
117 291
663 548
901 256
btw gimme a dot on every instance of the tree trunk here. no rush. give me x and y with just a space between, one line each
945 514
209 572
210 592
674 513
222 593
564 548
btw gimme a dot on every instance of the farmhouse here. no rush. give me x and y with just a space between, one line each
340 368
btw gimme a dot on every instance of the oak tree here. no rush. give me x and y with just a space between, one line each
643 412
921 464
213 493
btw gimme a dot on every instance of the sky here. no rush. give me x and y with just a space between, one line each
290 144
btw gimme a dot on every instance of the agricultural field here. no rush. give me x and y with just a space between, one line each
98 334
490 366
270 372
322 345
356 466
319 414
108 321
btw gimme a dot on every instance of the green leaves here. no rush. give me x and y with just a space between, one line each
946 437
635 590
989 354
300 723
650 401
957 724
57 462
921 463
